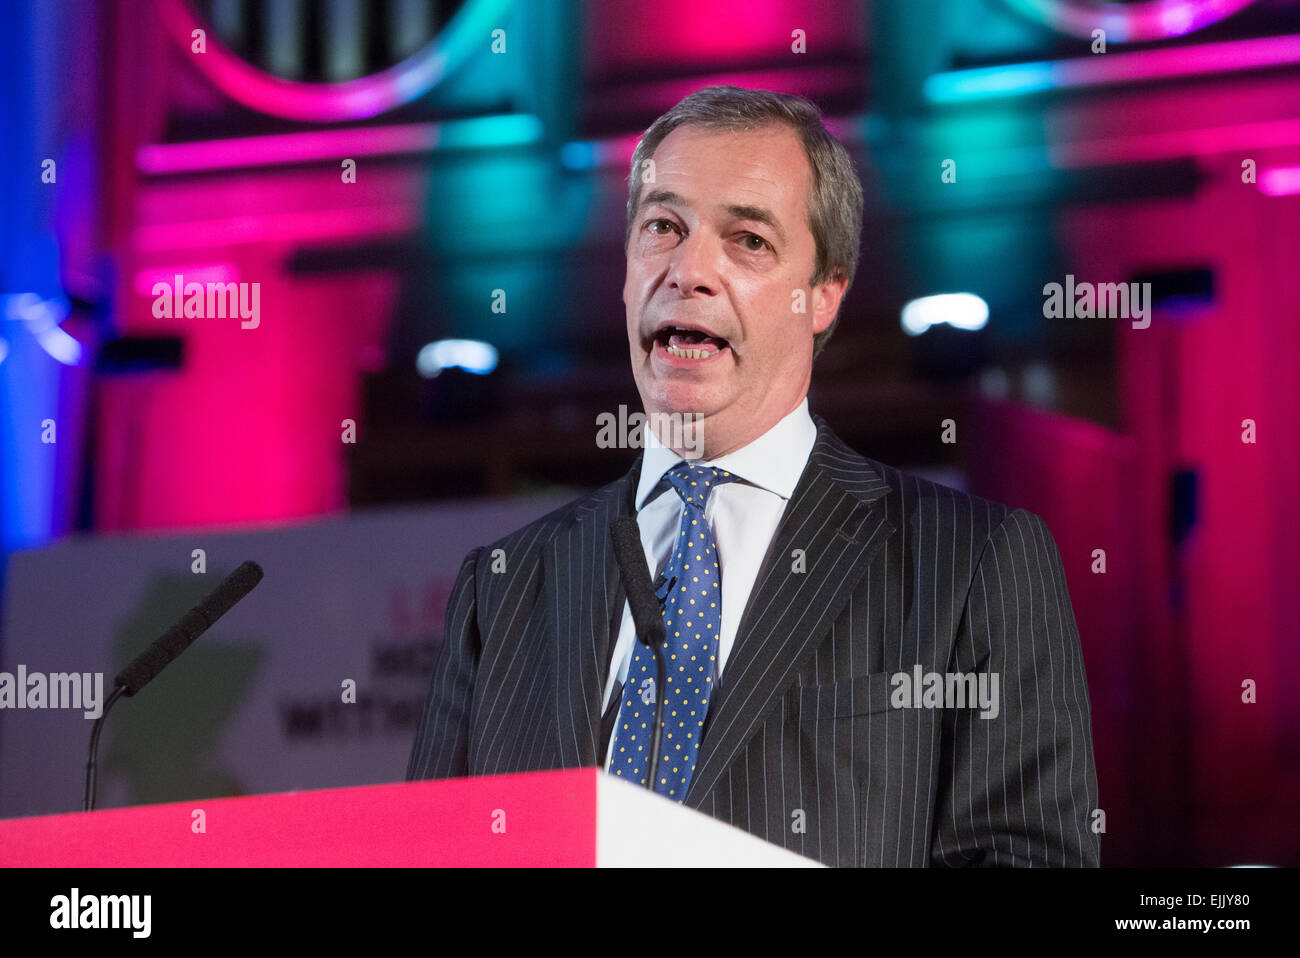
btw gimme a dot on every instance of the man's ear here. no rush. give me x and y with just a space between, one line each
827 296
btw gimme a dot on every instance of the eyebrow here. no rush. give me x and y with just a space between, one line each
758 214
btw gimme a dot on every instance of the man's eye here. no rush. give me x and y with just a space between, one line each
754 237
653 223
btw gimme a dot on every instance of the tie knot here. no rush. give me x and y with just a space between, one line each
694 483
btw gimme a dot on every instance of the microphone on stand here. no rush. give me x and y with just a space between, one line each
646 616
146 666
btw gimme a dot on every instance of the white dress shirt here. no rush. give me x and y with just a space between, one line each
743 516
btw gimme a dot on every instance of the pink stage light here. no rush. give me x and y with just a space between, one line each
1280 181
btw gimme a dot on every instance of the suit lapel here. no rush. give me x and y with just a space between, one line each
582 592
837 517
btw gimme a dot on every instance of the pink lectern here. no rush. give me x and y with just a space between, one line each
572 818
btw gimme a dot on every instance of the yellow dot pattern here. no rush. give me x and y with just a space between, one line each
692 620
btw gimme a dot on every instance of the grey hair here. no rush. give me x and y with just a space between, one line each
835 202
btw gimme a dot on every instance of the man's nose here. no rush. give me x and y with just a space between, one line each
694 266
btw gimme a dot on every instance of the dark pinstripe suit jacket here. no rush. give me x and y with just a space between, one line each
802 746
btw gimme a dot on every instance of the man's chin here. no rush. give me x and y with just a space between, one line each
683 399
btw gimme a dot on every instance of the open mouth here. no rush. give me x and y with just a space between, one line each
689 343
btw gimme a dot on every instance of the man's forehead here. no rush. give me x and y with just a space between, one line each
771 152
742 189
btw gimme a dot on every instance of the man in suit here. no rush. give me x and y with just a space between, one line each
823 611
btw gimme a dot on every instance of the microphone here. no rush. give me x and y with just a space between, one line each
646 616
144 668
663 587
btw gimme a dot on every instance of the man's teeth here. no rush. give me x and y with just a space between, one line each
688 353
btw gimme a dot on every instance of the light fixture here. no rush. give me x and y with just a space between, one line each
959 310
42 318
471 355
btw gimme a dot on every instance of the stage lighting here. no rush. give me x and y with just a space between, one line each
959 310
471 355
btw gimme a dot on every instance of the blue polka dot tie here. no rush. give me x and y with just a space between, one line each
692 599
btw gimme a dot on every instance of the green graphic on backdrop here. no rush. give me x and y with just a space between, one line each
164 741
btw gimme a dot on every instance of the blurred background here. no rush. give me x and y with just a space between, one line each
430 198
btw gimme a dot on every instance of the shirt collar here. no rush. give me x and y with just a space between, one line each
774 461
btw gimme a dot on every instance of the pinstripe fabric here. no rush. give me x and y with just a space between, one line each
802 747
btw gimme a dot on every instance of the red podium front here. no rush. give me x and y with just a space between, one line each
571 818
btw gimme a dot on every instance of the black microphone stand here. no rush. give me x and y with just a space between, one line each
660 681
656 737
88 799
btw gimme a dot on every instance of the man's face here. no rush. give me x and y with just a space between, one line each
719 251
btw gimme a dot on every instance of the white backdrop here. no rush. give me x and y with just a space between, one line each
256 704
